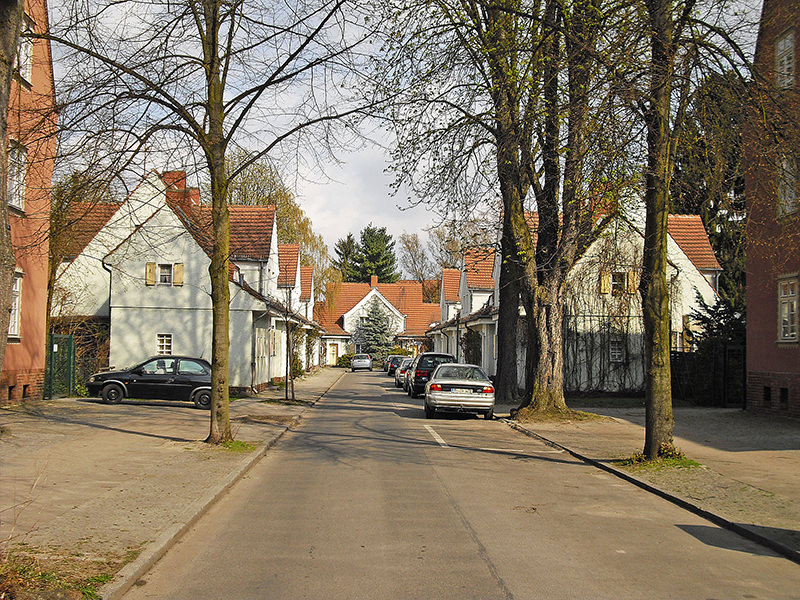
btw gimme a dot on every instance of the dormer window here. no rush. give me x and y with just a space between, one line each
784 60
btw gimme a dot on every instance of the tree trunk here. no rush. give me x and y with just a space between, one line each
220 430
653 286
506 377
10 20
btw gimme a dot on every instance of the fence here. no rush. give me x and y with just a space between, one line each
59 380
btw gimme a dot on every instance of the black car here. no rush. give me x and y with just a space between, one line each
422 368
393 364
159 377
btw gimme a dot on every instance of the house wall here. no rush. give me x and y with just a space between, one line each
773 247
31 122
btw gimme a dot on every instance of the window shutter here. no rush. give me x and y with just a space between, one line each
632 287
605 282
177 274
150 273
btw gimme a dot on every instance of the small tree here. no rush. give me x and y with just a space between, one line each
373 334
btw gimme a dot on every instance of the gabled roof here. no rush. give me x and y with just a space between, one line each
478 266
251 227
450 281
84 220
690 234
288 258
404 295
306 282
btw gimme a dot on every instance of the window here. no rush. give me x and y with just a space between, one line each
23 64
766 396
191 367
16 306
784 60
783 398
164 343
616 351
787 186
159 366
787 310
618 283
165 274
17 169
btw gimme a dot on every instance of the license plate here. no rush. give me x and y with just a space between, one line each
462 390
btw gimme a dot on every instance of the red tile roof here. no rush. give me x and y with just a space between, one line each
404 295
690 234
306 280
288 258
83 221
251 227
478 264
450 281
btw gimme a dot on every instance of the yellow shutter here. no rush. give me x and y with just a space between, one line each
177 274
605 282
150 273
632 285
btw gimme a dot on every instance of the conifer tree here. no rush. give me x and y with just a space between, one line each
373 334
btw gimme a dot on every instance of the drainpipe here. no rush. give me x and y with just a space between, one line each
110 275
458 322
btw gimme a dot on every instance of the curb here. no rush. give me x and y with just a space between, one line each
133 571
741 530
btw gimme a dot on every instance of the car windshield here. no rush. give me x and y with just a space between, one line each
405 363
428 362
460 372
396 361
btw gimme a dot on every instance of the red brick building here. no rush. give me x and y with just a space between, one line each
31 152
772 165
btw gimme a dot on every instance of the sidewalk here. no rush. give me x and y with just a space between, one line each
102 484
750 475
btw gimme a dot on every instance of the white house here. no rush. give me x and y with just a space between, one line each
603 332
147 267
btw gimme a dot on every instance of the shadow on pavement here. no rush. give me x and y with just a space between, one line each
712 535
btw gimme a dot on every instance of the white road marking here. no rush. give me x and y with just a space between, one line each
436 436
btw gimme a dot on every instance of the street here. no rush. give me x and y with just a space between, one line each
368 499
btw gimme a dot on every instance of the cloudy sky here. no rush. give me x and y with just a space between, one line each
357 195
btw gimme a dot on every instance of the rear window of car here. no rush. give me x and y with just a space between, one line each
361 357
427 362
460 372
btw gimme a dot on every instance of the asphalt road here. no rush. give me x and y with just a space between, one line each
368 499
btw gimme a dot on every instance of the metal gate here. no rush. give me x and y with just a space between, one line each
59 380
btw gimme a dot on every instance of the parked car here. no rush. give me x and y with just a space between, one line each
159 377
400 372
388 360
458 387
422 368
361 361
393 364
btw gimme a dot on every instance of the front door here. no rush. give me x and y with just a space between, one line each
155 379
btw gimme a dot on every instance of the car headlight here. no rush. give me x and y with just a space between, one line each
91 379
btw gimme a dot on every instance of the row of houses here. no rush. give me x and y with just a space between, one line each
139 267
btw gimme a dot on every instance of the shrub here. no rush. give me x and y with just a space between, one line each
345 360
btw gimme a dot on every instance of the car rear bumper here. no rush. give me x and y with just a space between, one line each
471 403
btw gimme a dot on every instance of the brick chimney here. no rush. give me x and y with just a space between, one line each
373 280
174 179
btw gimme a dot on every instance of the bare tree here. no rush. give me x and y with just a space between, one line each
415 262
196 79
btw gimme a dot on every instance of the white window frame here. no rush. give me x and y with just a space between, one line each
784 60
164 343
787 186
16 307
619 283
616 350
23 62
164 274
787 308
17 174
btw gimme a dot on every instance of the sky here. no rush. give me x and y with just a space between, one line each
357 195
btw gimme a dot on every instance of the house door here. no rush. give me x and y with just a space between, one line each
333 354
262 357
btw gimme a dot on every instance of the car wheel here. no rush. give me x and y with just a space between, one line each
397 385
489 414
112 393
430 412
202 399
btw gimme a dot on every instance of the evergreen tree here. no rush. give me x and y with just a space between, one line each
373 334
376 256
347 254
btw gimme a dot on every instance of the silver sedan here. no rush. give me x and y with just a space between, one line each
456 387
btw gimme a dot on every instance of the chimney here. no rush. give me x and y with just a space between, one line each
174 179
373 280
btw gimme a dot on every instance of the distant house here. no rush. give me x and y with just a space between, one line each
31 152
146 271
772 165
401 301
603 331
